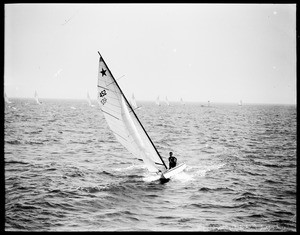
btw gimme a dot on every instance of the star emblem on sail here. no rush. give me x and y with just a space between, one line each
103 72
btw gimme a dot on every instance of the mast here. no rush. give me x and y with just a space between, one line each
132 109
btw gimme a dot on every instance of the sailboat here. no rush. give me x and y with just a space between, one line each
37 98
157 101
240 103
181 101
167 101
126 126
89 100
6 98
133 103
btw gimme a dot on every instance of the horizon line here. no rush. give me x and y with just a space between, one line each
171 101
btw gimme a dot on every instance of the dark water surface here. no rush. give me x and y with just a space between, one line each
65 171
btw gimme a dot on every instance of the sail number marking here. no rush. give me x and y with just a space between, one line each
102 94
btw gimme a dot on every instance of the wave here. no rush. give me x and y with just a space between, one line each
33 132
14 142
16 162
257 216
129 168
271 182
93 189
220 189
74 173
273 165
34 142
214 206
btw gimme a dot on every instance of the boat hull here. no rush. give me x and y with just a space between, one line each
171 172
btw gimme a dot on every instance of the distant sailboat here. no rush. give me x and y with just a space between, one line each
240 103
208 103
167 101
157 101
89 100
126 126
6 98
133 102
37 98
181 101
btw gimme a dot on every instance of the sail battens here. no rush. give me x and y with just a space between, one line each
105 88
111 83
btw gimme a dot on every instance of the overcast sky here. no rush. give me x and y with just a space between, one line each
200 52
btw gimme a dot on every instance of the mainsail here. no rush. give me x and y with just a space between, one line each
123 121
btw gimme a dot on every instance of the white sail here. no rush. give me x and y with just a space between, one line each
123 121
240 103
89 99
133 102
36 98
6 98
181 101
167 101
157 101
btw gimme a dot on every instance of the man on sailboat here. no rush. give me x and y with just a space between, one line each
172 161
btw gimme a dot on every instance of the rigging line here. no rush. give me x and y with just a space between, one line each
135 108
101 58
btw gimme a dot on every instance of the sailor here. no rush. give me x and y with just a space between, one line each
172 161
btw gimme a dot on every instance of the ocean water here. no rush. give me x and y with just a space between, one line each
65 171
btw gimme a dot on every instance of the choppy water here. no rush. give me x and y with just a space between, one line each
64 170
